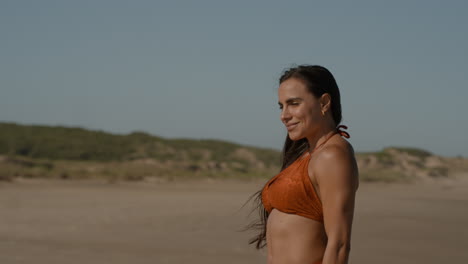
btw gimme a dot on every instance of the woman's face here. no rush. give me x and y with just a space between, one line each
301 112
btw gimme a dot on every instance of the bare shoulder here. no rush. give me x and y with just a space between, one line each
335 151
336 146
335 162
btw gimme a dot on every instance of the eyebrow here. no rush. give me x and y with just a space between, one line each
292 99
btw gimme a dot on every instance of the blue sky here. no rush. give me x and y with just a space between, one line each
209 69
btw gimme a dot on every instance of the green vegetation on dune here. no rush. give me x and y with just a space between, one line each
420 153
63 143
33 151
73 151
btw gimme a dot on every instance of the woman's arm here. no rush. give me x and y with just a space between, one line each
337 177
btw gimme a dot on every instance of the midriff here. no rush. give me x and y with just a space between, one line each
294 239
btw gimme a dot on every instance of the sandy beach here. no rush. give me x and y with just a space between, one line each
198 222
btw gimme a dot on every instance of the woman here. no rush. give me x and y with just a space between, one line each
307 209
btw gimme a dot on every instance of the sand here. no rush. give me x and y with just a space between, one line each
199 222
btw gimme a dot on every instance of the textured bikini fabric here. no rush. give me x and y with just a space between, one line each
291 191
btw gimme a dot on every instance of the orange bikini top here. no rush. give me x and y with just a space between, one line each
291 191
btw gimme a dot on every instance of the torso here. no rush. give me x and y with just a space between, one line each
292 238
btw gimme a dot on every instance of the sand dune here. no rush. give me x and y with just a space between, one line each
198 222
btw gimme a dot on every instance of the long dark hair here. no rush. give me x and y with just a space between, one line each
318 81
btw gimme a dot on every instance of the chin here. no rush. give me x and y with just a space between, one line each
295 137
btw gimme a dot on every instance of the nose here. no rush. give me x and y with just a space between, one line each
285 115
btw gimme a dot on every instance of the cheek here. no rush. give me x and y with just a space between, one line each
305 115
310 118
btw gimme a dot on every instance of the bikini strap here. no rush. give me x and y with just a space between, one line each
321 144
338 131
341 132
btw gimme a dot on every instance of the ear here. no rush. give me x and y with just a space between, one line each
325 102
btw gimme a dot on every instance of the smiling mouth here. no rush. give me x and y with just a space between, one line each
291 126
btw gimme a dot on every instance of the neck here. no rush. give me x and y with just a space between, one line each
320 136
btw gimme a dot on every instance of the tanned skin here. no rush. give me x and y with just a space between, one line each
293 239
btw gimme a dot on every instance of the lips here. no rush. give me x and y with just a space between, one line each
291 126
